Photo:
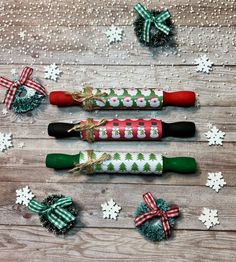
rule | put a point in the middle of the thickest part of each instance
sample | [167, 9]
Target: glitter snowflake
[5, 141]
[114, 34]
[215, 181]
[52, 72]
[215, 136]
[23, 196]
[209, 217]
[110, 209]
[203, 64]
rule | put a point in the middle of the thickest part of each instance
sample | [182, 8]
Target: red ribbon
[24, 80]
[155, 211]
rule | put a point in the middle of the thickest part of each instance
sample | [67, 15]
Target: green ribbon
[149, 19]
[53, 210]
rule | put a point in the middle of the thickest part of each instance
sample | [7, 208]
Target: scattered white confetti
[5, 141]
[114, 34]
[209, 125]
[4, 111]
[203, 64]
[215, 181]
[23, 196]
[52, 72]
[215, 136]
[110, 209]
[209, 217]
[21, 145]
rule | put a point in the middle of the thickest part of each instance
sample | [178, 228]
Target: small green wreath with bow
[153, 28]
[57, 212]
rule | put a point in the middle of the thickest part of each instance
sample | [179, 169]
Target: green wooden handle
[182, 165]
[61, 161]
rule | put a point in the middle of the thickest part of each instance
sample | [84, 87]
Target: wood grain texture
[184, 12]
[19, 163]
[90, 46]
[94, 244]
[89, 197]
[71, 33]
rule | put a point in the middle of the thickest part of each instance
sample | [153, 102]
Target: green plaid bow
[149, 18]
[52, 211]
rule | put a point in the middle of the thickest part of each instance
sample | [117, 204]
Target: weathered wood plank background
[71, 33]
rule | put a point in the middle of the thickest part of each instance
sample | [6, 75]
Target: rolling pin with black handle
[124, 130]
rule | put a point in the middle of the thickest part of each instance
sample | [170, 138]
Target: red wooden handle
[61, 98]
[180, 98]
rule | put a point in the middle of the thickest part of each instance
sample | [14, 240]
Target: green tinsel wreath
[157, 37]
[50, 200]
[152, 229]
[26, 99]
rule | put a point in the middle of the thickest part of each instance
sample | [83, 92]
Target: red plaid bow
[157, 212]
[24, 80]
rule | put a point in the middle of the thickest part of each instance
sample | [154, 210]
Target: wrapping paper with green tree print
[122, 162]
[129, 98]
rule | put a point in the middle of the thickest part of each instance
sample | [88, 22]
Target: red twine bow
[155, 211]
[24, 80]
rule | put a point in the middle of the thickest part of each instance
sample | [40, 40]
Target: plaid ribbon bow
[24, 80]
[149, 18]
[52, 211]
[157, 212]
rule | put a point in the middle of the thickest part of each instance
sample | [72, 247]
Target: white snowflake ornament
[209, 217]
[24, 195]
[5, 141]
[4, 111]
[215, 181]
[110, 209]
[215, 136]
[22, 35]
[52, 72]
[13, 71]
[114, 34]
[203, 64]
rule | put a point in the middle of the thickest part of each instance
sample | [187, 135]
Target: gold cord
[86, 97]
[88, 166]
[89, 126]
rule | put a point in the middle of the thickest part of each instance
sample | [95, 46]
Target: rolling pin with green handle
[121, 162]
[124, 130]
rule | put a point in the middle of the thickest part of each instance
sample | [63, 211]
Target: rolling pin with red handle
[121, 162]
[122, 98]
[125, 130]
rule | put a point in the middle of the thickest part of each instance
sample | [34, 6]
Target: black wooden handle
[60, 130]
[178, 129]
